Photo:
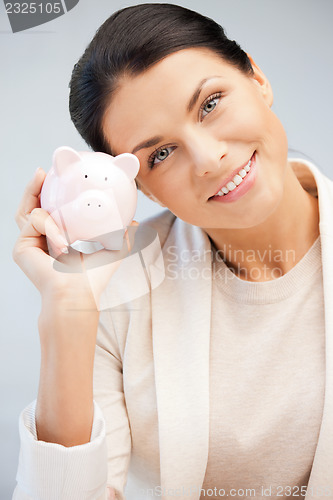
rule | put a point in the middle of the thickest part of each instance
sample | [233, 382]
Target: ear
[262, 81]
[64, 156]
[128, 163]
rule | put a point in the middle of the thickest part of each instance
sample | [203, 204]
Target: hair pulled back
[129, 42]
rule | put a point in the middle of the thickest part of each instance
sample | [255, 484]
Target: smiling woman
[216, 380]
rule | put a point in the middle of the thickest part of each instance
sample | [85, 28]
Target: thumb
[111, 495]
[130, 234]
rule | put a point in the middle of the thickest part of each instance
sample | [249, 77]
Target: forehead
[141, 104]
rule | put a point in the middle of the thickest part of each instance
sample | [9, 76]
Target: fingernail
[110, 494]
[62, 240]
[65, 250]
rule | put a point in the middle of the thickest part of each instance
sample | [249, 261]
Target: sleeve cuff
[50, 471]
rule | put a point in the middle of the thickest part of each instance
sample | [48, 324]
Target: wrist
[64, 317]
[69, 297]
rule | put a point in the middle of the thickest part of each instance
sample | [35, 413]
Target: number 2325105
[33, 8]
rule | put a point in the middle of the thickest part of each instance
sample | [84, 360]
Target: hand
[111, 494]
[56, 269]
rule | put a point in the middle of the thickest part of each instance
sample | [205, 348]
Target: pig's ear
[63, 157]
[128, 163]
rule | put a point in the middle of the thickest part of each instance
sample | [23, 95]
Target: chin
[257, 213]
[268, 204]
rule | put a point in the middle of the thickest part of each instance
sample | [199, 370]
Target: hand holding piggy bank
[91, 196]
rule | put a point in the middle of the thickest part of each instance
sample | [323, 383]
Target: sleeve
[50, 471]
[109, 395]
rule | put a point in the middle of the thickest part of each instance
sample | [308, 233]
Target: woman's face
[193, 120]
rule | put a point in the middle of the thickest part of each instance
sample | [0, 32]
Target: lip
[242, 188]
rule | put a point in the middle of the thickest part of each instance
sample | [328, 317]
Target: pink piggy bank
[91, 196]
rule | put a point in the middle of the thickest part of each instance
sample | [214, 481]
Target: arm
[64, 411]
[81, 469]
[63, 463]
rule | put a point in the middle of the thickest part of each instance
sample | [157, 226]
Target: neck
[270, 249]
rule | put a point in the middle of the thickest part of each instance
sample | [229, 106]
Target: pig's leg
[113, 240]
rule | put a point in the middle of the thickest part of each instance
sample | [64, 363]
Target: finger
[54, 250]
[111, 494]
[130, 235]
[30, 253]
[30, 198]
[31, 261]
[32, 237]
[100, 266]
[103, 257]
[41, 223]
[33, 191]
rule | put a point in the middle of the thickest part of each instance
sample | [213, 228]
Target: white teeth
[247, 168]
[231, 186]
[236, 181]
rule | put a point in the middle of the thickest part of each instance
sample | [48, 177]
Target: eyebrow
[155, 140]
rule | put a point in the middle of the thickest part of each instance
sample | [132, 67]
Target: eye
[209, 104]
[85, 176]
[106, 179]
[160, 154]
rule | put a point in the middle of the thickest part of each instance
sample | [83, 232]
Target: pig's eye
[106, 178]
[86, 176]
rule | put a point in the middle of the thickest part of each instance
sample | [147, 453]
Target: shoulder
[160, 224]
[171, 231]
[312, 178]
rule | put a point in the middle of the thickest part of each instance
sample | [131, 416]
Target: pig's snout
[93, 204]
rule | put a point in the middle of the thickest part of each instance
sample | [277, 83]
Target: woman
[213, 381]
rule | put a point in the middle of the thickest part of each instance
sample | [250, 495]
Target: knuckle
[35, 212]
[16, 253]
[36, 217]
[20, 221]
[51, 227]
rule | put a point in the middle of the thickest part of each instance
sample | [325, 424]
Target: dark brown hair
[130, 42]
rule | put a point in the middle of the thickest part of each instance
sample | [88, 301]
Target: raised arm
[68, 326]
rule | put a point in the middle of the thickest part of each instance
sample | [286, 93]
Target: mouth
[238, 183]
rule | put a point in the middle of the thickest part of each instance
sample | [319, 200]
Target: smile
[239, 184]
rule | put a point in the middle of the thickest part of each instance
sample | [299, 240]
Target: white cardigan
[151, 376]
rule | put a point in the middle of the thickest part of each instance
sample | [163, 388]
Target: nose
[206, 152]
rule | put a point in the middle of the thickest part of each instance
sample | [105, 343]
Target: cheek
[273, 134]
[168, 182]
[275, 144]
[241, 121]
[161, 187]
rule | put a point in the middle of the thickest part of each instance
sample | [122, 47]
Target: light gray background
[291, 40]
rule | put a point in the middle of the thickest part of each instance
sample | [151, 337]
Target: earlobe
[262, 81]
